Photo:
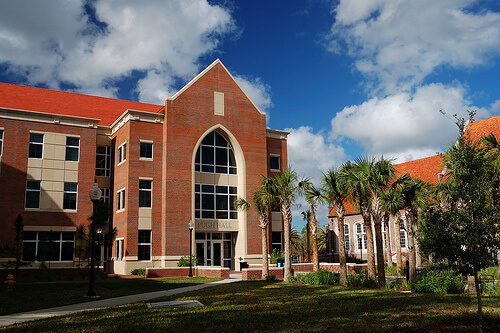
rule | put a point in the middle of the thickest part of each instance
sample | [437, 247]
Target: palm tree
[393, 202]
[336, 193]
[313, 197]
[306, 216]
[285, 190]
[359, 181]
[262, 201]
[415, 196]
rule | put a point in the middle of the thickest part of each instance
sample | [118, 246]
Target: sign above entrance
[204, 225]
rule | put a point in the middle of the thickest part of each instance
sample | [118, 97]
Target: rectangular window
[146, 150]
[215, 202]
[70, 195]
[48, 246]
[72, 148]
[122, 153]
[145, 193]
[103, 161]
[105, 194]
[33, 194]
[144, 245]
[276, 240]
[346, 238]
[119, 249]
[1, 141]
[36, 145]
[274, 162]
[120, 200]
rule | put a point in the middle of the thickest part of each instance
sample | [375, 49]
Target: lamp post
[191, 226]
[95, 196]
[330, 229]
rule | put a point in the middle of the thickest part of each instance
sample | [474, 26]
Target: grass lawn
[259, 306]
[28, 296]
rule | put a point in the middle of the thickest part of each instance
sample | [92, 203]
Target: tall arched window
[346, 238]
[403, 234]
[215, 155]
[213, 200]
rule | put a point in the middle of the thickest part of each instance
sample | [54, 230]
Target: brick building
[427, 169]
[159, 167]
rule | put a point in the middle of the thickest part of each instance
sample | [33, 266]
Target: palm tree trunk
[369, 241]
[314, 239]
[342, 254]
[265, 267]
[388, 249]
[397, 232]
[287, 225]
[308, 239]
[380, 252]
[411, 248]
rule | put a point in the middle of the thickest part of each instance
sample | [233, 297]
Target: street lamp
[95, 196]
[191, 226]
[330, 229]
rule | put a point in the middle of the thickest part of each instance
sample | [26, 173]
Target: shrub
[275, 255]
[440, 282]
[139, 272]
[392, 270]
[490, 272]
[397, 284]
[184, 261]
[491, 288]
[320, 277]
[361, 280]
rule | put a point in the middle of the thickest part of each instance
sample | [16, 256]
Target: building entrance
[214, 249]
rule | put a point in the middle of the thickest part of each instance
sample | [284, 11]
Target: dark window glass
[209, 139]
[215, 155]
[33, 194]
[72, 148]
[70, 195]
[35, 145]
[274, 162]
[146, 150]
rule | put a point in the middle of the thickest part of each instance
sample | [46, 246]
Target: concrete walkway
[15, 318]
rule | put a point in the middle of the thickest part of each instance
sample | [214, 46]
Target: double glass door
[214, 249]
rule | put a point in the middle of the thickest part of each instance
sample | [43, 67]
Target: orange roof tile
[65, 103]
[483, 127]
[426, 169]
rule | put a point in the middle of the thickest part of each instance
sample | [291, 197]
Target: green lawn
[28, 296]
[258, 306]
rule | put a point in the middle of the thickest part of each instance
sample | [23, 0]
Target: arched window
[346, 238]
[361, 236]
[215, 155]
[403, 234]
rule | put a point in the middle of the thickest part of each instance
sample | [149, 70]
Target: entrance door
[217, 254]
[214, 249]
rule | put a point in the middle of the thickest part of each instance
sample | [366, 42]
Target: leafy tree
[263, 200]
[462, 228]
[336, 193]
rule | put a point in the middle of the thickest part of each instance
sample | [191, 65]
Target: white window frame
[146, 142]
[39, 190]
[120, 202]
[122, 153]
[144, 244]
[150, 190]
[281, 240]
[347, 244]
[403, 233]
[36, 143]
[72, 147]
[361, 236]
[59, 241]
[71, 192]
[119, 244]
[279, 162]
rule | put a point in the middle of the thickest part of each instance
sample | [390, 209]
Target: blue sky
[346, 77]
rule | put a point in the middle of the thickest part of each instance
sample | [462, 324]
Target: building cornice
[276, 134]
[48, 118]
[136, 115]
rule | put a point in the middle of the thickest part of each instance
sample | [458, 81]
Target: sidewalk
[15, 318]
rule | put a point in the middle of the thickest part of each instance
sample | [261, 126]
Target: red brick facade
[175, 132]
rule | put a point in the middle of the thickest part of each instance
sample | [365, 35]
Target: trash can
[281, 262]
[243, 264]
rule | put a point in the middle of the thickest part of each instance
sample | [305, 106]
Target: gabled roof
[108, 110]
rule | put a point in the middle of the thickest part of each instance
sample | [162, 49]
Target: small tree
[463, 228]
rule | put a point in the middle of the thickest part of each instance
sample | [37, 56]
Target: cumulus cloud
[258, 91]
[397, 44]
[405, 126]
[60, 44]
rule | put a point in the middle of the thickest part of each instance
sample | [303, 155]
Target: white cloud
[405, 126]
[56, 42]
[397, 44]
[258, 91]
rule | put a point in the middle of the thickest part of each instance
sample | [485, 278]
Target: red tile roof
[65, 103]
[483, 127]
[426, 169]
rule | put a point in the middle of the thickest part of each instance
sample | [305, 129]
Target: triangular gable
[206, 70]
